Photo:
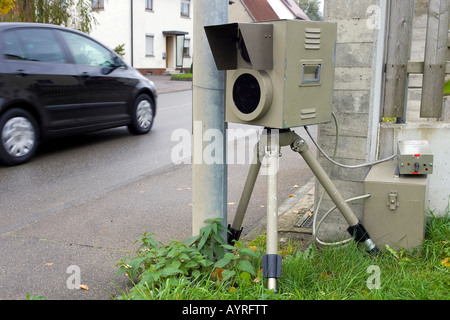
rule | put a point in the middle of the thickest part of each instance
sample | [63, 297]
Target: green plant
[210, 241]
[29, 297]
[157, 266]
[156, 262]
[330, 272]
[447, 88]
[120, 49]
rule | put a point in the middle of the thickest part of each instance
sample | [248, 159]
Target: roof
[261, 10]
[295, 9]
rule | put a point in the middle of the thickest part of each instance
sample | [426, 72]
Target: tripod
[275, 140]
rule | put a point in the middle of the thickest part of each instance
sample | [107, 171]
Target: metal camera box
[394, 214]
[280, 73]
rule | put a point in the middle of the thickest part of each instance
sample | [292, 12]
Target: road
[102, 190]
[73, 170]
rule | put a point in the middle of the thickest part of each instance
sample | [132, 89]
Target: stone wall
[353, 104]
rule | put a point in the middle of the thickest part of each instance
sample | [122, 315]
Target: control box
[414, 157]
[394, 214]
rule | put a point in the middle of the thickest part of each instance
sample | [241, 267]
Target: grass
[182, 77]
[328, 273]
[447, 88]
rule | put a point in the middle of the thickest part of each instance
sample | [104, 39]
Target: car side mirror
[115, 63]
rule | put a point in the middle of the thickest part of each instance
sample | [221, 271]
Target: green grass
[447, 88]
[328, 273]
[182, 76]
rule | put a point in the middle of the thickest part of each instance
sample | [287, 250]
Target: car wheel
[19, 136]
[142, 115]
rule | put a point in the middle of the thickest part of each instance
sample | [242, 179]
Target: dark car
[56, 81]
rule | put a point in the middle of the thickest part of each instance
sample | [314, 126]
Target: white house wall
[114, 28]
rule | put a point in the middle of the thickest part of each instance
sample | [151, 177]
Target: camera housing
[280, 74]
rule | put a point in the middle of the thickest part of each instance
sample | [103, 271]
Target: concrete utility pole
[209, 181]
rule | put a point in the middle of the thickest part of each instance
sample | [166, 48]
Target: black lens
[246, 93]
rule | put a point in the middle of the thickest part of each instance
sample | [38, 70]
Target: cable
[326, 215]
[316, 210]
[340, 164]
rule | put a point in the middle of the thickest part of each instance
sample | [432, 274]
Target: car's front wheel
[142, 115]
[19, 136]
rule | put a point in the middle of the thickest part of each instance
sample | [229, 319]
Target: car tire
[142, 115]
[19, 136]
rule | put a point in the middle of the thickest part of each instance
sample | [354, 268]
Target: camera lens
[246, 93]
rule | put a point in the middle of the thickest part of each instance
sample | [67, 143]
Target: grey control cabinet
[394, 214]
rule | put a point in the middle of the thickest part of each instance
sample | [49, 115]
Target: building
[158, 34]
[261, 10]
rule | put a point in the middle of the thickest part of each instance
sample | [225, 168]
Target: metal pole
[131, 33]
[209, 181]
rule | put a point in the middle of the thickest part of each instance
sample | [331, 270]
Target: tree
[311, 8]
[76, 14]
[6, 6]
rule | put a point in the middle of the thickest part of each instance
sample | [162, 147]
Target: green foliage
[182, 76]
[447, 88]
[198, 269]
[76, 14]
[157, 266]
[311, 9]
[30, 297]
[120, 49]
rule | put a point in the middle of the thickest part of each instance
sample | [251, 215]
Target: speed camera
[280, 73]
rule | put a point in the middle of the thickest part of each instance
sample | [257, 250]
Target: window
[98, 4]
[33, 45]
[148, 4]
[186, 48]
[149, 45]
[86, 51]
[185, 7]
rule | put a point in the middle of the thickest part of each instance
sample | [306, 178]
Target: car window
[87, 52]
[13, 50]
[33, 45]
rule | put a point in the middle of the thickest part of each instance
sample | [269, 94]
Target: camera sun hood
[254, 39]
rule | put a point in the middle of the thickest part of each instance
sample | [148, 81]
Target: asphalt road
[83, 201]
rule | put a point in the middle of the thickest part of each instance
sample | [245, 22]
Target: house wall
[238, 13]
[114, 28]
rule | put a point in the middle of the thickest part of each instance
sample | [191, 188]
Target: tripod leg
[272, 261]
[236, 227]
[285, 138]
[356, 229]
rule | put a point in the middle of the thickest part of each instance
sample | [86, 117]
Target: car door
[106, 86]
[38, 70]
